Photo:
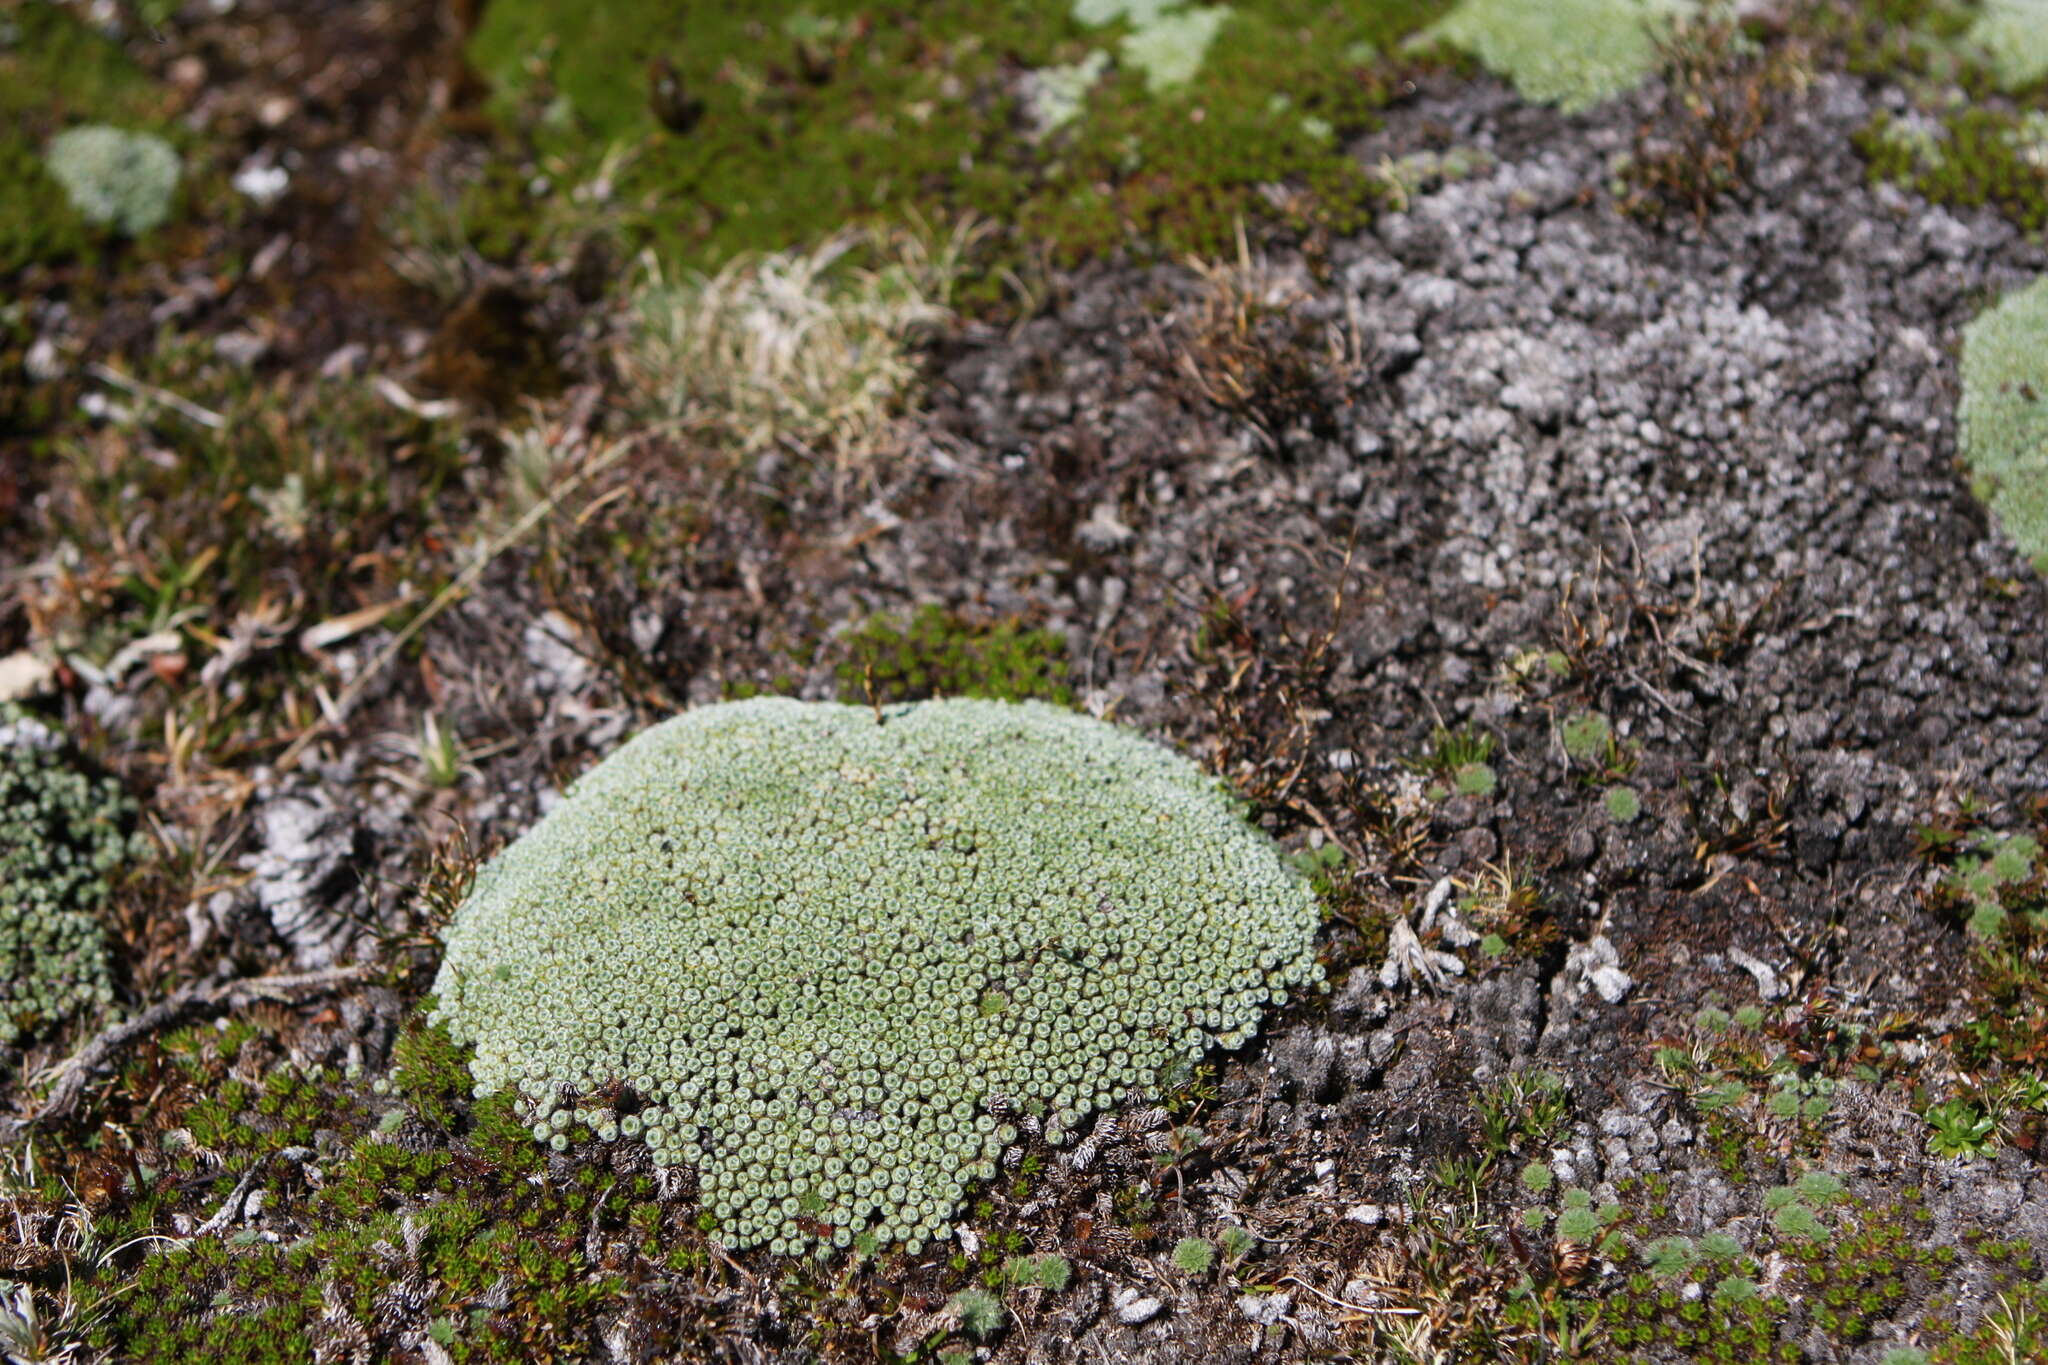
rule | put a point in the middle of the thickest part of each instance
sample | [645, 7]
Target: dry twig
[72, 1074]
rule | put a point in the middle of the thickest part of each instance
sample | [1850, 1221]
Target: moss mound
[2003, 420]
[823, 956]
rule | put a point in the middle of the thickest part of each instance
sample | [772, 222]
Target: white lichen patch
[828, 953]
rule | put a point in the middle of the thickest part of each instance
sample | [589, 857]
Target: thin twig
[229, 1210]
[444, 599]
[72, 1074]
[1353, 1307]
[184, 407]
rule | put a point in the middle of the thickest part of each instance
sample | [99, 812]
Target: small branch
[446, 598]
[184, 407]
[72, 1074]
[1368, 1311]
[230, 1210]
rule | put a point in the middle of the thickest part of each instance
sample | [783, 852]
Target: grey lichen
[830, 951]
[61, 839]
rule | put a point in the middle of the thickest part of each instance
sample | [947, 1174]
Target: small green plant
[1961, 1129]
[938, 654]
[1475, 779]
[1587, 737]
[440, 753]
[1236, 1243]
[1537, 1177]
[1623, 805]
[1521, 1111]
[1450, 750]
[1194, 1255]
[62, 846]
[1459, 758]
[980, 1313]
[1042, 1271]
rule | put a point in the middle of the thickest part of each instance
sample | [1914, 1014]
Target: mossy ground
[419, 1214]
[55, 71]
[810, 117]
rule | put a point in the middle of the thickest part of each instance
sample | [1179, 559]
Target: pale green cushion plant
[2002, 421]
[62, 841]
[115, 178]
[1571, 53]
[832, 951]
[2013, 37]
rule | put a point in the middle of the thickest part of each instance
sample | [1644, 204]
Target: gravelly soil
[1711, 464]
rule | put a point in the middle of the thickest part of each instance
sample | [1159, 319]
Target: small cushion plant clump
[116, 178]
[60, 839]
[824, 953]
[2002, 420]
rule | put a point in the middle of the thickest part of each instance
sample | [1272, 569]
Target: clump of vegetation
[1571, 53]
[805, 350]
[1044, 1270]
[63, 841]
[849, 937]
[671, 114]
[1506, 905]
[1521, 1112]
[55, 74]
[2014, 40]
[419, 1211]
[1459, 759]
[939, 654]
[1995, 882]
[1720, 90]
[2002, 419]
[1194, 1255]
[116, 178]
[980, 1313]
[1975, 156]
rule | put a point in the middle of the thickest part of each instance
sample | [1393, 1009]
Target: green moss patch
[56, 73]
[936, 653]
[719, 131]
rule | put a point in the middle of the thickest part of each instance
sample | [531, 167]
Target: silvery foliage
[828, 950]
[116, 178]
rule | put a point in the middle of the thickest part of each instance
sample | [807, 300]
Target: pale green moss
[1169, 50]
[1571, 53]
[2002, 420]
[116, 178]
[2013, 36]
[1058, 93]
[829, 951]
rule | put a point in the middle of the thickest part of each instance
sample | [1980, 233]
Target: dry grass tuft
[812, 351]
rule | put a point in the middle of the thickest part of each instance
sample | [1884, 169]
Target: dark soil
[1511, 457]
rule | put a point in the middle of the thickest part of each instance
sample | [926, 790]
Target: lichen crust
[823, 954]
